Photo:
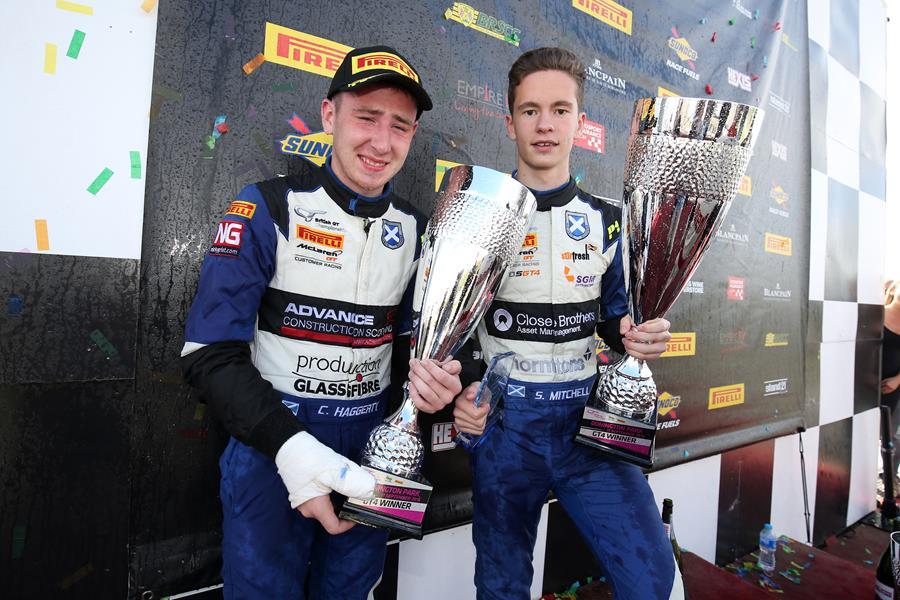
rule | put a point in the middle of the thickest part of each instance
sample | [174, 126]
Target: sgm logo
[681, 344]
[228, 239]
[579, 280]
[330, 314]
[776, 387]
[442, 436]
[739, 80]
[726, 395]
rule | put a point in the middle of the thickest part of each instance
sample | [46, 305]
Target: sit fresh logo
[314, 147]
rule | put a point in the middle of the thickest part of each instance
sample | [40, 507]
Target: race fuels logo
[681, 344]
[613, 14]
[685, 53]
[726, 395]
[303, 51]
[383, 61]
[483, 23]
[314, 147]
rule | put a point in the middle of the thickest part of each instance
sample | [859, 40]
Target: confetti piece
[210, 142]
[148, 5]
[222, 128]
[104, 344]
[777, 26]
[753, 41]
[40, 231]
[50, 59]
[298, 124]
[754, 77]
[283, 87]
[18, 541]
[756, 15]
[869, 552]
[708, 89]
[686, 453]
[199, 411]
[713, 38]
[787, 549]
[76, 576]
[790, 577]
[731, 21]
[766, 61]
[74, 7]
[868, 562]
[254, 63]
[75, 44]
[100, 181]
[14, 305]
[135, 164]
[703, 21]
[167, 93]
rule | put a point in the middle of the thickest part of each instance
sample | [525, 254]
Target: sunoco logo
[726, 395]
[776, 387]
[314, 147]
[681, 344]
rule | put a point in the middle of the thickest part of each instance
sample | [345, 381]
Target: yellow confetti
[40, 231]
[74, 7]
[148, 5]
[50, 59]
[254, 63]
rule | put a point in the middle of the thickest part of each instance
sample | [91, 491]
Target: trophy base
[399, 504]
[628, 439]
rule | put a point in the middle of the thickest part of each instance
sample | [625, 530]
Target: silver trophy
[685, 161]
[478, 225]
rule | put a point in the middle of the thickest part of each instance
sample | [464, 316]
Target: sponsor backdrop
[777, 330]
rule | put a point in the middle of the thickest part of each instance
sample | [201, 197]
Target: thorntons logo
[777, 293]
[596, 74]
[776, 387]
[779, 103]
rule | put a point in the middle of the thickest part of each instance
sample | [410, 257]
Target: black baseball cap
[379, 64]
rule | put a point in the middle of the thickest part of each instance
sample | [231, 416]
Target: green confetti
[731, 21]
[135, 164]
[283, 87]
[753, 42]
[18, 541]
[199, 411]
[104, 344]
[100, 181]
[75, 44]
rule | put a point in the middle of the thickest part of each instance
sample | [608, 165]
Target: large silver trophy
[685, 160]
[477, 227]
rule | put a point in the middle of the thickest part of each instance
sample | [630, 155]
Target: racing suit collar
[351, 202]
[558, 196]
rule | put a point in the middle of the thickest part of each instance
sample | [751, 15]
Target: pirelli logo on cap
[241, 209]
[320, 238]
[383, 60]
[778, 244]
[681, 344]
[303, 51]
[614, 15]
[726, 395]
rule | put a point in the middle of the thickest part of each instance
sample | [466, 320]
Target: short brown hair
[546, 59]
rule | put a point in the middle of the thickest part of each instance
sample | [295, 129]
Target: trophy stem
[407, 416]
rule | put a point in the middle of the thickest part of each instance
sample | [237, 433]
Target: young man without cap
[568, 274]
[303, 297]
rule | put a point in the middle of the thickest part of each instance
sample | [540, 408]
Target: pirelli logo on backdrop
[383, 60]
[303, 51]
[440, 167]
[661, 91]
[778, 244]
[681, 344]
[726, 395]
[531, 240]
[614, 15]
[320, 238]
[746, 187]
[241, 209]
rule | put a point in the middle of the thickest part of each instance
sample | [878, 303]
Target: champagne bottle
[670, 534]
[884, 576]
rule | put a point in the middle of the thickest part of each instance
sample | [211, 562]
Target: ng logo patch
[228, 240]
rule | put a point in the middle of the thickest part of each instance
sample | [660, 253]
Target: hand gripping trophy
[685, 160]
[477, 227]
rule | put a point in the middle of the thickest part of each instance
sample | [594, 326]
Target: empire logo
[303, 51]
[614, 15]
[726, 395]
[681, 344]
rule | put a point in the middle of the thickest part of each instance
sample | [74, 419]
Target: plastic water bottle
[767, 546]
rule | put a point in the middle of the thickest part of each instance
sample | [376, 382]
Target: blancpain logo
[776, 387]
[596, 74]
[777, 293]
[304, 310]
[733, 235]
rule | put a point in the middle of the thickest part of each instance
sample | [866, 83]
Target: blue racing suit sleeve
[613, 301]
[216, 359]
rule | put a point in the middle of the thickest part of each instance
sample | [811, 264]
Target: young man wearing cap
[569, 273]
[302, 298]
